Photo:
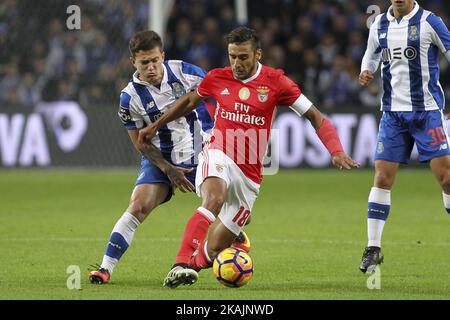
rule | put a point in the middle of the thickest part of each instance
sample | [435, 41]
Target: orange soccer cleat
[99, 276]
[242, 242]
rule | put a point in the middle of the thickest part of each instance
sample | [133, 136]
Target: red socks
[201, 259]
[194, 233]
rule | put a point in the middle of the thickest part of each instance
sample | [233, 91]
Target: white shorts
[242, 191]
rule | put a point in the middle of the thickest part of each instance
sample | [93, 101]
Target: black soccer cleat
[371, 257]
[180, 274]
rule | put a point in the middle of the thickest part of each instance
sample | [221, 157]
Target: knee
[140, 209]
[214, 202]
[384, 180]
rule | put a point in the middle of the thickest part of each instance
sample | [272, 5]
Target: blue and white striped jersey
[408, 49]
[142, 103]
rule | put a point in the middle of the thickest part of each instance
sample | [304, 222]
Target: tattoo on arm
[154, 155]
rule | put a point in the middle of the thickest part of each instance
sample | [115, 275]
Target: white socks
[120, 240]
[446, 199]
[378, 211]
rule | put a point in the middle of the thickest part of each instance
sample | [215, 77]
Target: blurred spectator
[320, 45]
[371, 95]
[335, 84]
[199, 49]
[275, 57]
[10, 80]
[12, 98]
[310, 74]
[4, 45]
[328, 49]
[29, 91]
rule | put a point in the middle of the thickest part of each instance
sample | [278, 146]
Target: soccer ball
[233, 267]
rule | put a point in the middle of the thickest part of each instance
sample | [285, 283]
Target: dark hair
[243, 34]
[144, 40]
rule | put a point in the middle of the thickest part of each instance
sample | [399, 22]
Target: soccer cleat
[99, 276]
[372, 257]
[180, 275]
[242, 242]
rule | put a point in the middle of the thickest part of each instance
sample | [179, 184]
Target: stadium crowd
[320, 44]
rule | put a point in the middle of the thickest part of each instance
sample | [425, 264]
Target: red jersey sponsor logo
[241, 114]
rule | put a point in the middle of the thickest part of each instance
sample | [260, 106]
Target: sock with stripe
[378, 212]
[120, 240]
[194, 233]
[201, 260]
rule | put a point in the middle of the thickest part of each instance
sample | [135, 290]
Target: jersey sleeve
[371, 59]
[127, 115]
[205, 87]
[440, 35]
[193, 74]
[288, 91]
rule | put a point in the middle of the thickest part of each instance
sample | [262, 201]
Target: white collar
[407, 17]
[253, 77]
[145, 83]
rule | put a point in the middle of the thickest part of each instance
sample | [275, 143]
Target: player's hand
[343, 161]
[365, 77]
[146, 134]
[177, 176]
[447, 116]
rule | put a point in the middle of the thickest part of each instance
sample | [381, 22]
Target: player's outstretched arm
[329, 137]
[174, 173]
[181, 107]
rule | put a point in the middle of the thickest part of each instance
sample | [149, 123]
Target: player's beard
[243, 73]
[240, 74]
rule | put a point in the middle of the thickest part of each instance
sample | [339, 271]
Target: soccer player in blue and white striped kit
[170, 160]
[407, 40]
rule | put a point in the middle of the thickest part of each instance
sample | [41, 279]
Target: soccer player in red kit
[230, 166]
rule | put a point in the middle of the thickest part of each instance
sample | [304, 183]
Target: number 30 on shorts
[438, 135]
[241, 216]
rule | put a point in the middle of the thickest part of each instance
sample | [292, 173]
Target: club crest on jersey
[150, 105]
[244, 93]
[263, 93]
[219, 167]
[177, 90]
[413, 33]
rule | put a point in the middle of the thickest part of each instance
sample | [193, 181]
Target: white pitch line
[268, 240]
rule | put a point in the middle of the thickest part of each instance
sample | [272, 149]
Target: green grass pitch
[308, 233]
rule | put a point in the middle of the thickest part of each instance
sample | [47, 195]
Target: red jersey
[244, 113]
